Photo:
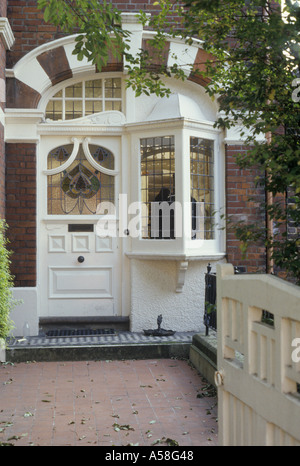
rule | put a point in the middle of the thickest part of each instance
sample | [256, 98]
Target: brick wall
[21, 211]
[240, 186]
[29, 29]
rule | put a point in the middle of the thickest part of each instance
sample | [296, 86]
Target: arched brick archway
[53, 62]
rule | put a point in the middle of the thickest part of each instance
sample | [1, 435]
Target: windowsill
[182, 261]
[75, 218]
[174, 256]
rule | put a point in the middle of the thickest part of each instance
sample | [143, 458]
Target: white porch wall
[25, 312]
[153, 292]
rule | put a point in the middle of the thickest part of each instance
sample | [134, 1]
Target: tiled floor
[106, 403]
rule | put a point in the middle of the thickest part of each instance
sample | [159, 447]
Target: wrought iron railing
[210, 306]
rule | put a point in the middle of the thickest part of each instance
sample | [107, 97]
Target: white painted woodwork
[258, 364]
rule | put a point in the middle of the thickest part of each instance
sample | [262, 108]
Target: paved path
[106, 403]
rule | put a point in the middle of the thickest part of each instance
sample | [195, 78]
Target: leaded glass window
[85, 98]
[158, 186]
[202, 187]
[79, 188]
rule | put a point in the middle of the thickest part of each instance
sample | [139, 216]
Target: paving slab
[154, 402]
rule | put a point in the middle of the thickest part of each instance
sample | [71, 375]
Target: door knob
[80, 259]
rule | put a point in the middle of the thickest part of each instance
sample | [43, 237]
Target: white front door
[79, 272]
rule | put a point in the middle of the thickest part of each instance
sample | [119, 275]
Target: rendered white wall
[26, 311]
[153, 292]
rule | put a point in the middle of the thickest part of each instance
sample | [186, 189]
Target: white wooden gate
[258, 374]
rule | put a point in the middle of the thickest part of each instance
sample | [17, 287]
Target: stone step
[122, 345]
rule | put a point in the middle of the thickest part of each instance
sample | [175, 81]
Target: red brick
[21, 211]
[240, 185]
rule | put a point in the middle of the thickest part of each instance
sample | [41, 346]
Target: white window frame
[216, 245]
[49, 96]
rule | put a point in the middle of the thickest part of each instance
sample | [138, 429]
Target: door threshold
[47, 324]
[82, 332]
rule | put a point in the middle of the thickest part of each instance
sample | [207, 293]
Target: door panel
[80, 274]
[90, 282]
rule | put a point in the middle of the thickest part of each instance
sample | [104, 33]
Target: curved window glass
[202, 188]
[86, 98]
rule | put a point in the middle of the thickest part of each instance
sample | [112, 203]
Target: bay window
[157, 175]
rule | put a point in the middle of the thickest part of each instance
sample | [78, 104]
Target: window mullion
[103, 94]
[83, 98]
[63, 104]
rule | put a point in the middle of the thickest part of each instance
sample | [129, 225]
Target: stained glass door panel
[79, 188]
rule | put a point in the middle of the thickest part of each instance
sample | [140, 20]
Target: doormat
[80, 332]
